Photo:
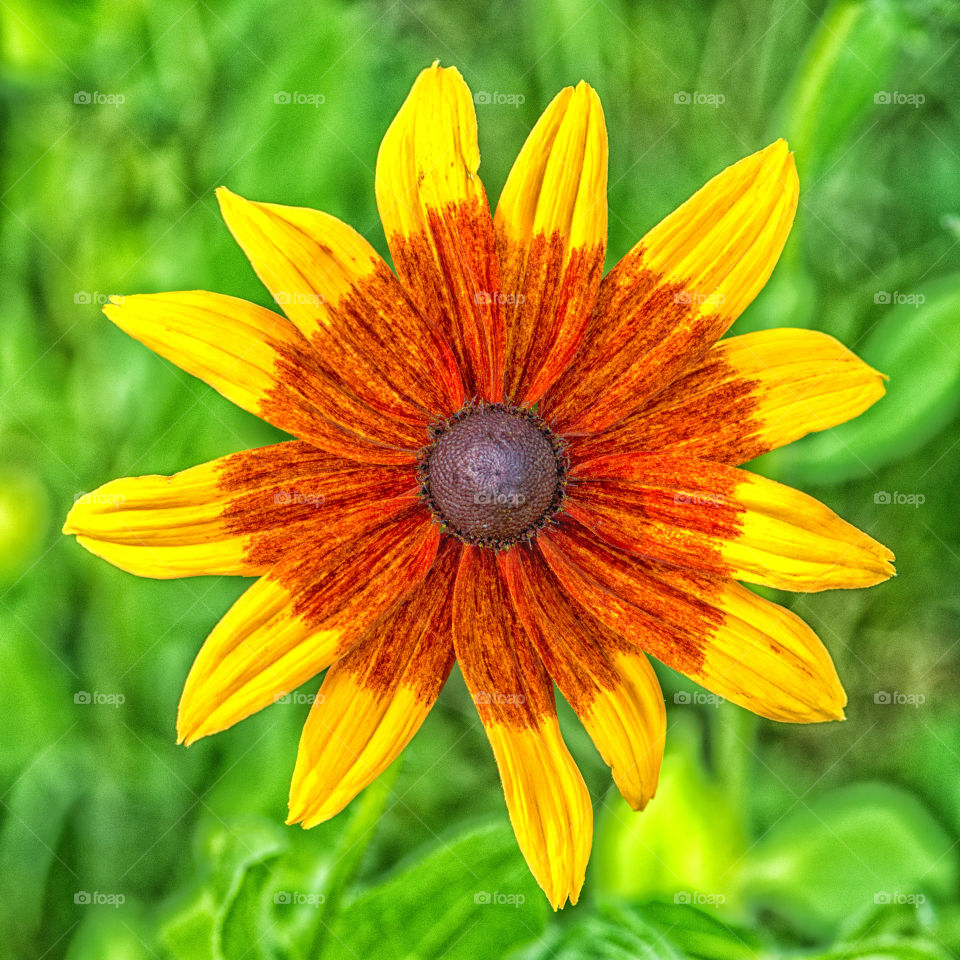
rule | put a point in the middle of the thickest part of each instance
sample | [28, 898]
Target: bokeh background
[119, 119]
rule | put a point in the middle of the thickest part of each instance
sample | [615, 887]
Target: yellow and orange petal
[608, 681]
[438, 225]
[375, 698]
[551, 224]
[722, 521]
[680, 288]
[366, 333]
[749, 395]
[731, 641]
[260, 361]
[547, 800]
[237, 515]
[312, 608]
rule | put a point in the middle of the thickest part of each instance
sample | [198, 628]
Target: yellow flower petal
[608, 682]
[733, 642]
[237, 515]
[551, 235]
[679, 290]
[547, 800]
[628, 723]
[308, 260]
[722, 521]
[229, 343]
[723, 243]
[750, 394]
[789, 540]
[438, 224]
[765, 658]
[262, 363]
[163, 527]
[368, 337]
[314, 606]
[548, 803]
[800, 381]
[258, 652]
[374, 700]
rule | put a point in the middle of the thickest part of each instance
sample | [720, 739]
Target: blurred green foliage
[119, 120]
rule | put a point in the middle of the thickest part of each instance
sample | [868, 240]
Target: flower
[503, 459]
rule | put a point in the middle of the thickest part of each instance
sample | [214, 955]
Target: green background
[764, 840]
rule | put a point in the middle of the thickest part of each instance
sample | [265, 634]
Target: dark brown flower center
[494, 474]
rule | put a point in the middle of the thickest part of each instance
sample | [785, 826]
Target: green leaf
[472, 898]
[230, 910]
[887, 948]
[615, 932]
[187, 934]
[699, 934]
[365, 815]
[655, 930]
[244, 927]
[36, 812]
[846, 65]
[849, 851]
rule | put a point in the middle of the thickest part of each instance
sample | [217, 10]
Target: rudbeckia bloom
[503, 459]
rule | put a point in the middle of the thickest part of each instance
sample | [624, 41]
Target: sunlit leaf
[848, 851]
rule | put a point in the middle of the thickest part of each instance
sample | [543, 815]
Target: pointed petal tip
[228, 200]
[192, 726]
[188, 734]
[565, 896]
[299, 814]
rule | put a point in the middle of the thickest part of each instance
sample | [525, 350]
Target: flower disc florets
[494, 474]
